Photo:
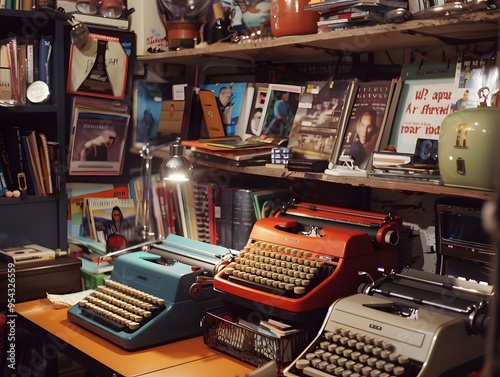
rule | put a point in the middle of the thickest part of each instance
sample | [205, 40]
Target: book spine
[226, 218]
[44, 58]
[29, 63]
[243, 217]
[31, 177]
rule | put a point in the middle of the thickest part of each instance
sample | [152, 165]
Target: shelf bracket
[448, 40]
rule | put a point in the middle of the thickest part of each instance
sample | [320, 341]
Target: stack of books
[231, 151]
[346, 14]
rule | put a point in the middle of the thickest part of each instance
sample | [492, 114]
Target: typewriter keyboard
[347, 353]
[121, 307]
[277, 269]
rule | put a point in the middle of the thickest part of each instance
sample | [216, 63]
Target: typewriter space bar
[259, 287]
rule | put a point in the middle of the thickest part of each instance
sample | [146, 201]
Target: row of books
[29, 163]
[200, 209]
[22, 63]
[18, 4]
[345, 121]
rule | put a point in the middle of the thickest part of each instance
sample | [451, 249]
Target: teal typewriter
[154, 297]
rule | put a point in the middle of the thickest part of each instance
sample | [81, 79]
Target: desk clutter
[308, 291]
[316, 290]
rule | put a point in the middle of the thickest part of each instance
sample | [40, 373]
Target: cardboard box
[171, 117]
[147, 24]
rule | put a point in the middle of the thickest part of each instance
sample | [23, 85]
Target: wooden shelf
[463, 28]
[458, 29]
[380, 183]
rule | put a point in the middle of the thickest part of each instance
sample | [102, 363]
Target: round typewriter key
[322, 365]
[324, 344]
[366, 370]
[398, 371]
[363, 358]
[318, 352]
[349, 364]
[389, 367]
[299, 290]
[326, 355]
[355, 355]
[402, 360]
[338, 371]
[380, 364]
[301, 364]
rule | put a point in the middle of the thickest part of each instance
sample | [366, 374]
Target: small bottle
[220, 30]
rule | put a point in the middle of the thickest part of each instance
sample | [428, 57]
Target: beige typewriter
[409, 324]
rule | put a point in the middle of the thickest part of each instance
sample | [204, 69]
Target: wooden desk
[190, 357]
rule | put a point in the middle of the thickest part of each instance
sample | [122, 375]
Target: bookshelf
[38, 219]
[468, 27]
[459, 29]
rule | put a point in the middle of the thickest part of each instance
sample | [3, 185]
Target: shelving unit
[462, 28]
[397, 185]
[38, 219]
[458, 29]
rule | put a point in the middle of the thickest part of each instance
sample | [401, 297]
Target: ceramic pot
[288, 17]
[468, 140]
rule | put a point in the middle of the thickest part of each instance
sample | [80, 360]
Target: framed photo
[279, 110]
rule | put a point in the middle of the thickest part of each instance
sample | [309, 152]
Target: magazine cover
[230, 99]
[361, 136]
[98, 143]
[112, 216]
[478, 73]
[427, 97]
[100, 69]
[279, 110]
[316, 122]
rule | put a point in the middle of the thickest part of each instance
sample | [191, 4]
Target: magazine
[478, 73]
[112, 216]
[230, 99]
[88, 76]
[98, 142]
[320, 111]
[361, 135]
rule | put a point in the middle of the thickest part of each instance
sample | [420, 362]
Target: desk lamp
[175, 168]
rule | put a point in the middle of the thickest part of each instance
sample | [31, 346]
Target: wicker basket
[248, 345]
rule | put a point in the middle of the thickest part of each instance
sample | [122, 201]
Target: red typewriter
[307, 256]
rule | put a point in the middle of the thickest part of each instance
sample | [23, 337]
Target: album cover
[100, 69]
